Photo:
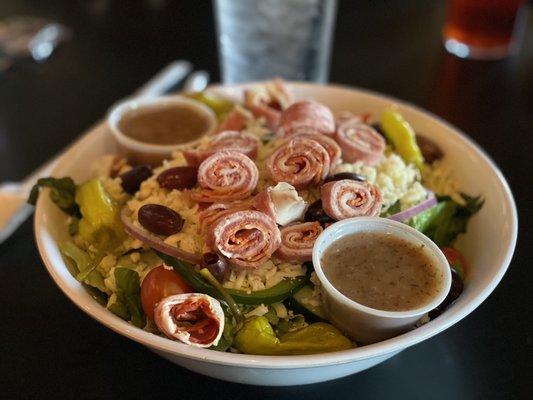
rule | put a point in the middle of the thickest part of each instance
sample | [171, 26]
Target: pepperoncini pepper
[401, 134]
[258, 337]
[100, 223]
[220, 105]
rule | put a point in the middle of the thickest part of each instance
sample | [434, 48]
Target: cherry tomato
[456, 260]
[158, 284]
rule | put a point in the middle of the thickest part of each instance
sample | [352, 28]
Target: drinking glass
[484, 29]
[261, 39]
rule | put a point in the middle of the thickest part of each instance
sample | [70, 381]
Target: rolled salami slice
[225, 176]
[329, 144]
[300, 162]
[268, 101]
[246, 238]
[243, 142]
[306, 117]
[208, 216]
[348, 198]
[195, 319]
[360, 142]
[297, 242]
[344, 116]
[235, 121]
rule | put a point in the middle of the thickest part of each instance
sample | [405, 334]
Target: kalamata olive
[309, 266]
[430, 150]
[132, 179]
[160, 220]
[344, 175]
[378, 129]
[455, 291]
[315, 212]
[216, 265]
[178, 178]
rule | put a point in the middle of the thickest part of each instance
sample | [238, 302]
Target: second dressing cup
[365, 324]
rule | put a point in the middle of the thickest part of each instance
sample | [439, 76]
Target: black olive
[378, 129]
[456, 289]
[315, 212]
[216, 264]
[345, 175]
[309, 266]
[430, 150]
[132, 179]
[160, 220]
[178, 178]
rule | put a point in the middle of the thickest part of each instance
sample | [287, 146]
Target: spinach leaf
[129, 294]
[118, 308]
[62, 193]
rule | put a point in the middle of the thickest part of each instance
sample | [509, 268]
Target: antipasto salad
[212, 248]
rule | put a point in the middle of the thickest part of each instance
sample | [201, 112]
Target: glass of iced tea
[484, 29]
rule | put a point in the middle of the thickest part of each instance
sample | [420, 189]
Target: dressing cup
[141, 152]
[365, 324]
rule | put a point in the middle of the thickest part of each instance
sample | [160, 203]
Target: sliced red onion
[430, 201]
[155, 242]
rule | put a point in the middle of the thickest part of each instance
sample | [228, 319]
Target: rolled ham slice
[208, 216]
[235, 121]
[348, 198]
[306, 117]
[329, 144]
[268, 101]
[360, 142]
[300, 162]
[243, 142]
[225, 176]
[344, 116]
[246, 238]
[297, 242]
[195, 319]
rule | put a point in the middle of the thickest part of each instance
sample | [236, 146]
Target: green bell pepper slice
[276, 293]
[258, 337]
[402, 136]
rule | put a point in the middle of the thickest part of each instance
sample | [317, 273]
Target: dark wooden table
[50, 349]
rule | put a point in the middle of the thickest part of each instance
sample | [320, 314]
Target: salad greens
[62, 193]
[129, 296]
[445, 221]
[84, 265]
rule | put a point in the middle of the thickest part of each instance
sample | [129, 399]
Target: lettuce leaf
[129, 295]
[446, 220]
[83, 267]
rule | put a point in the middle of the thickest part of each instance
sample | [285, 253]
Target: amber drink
[484, 29]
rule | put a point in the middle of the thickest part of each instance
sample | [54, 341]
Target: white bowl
[488, 245]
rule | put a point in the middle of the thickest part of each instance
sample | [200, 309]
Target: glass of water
[261, 39]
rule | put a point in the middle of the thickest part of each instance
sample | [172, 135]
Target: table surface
[51, 349]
